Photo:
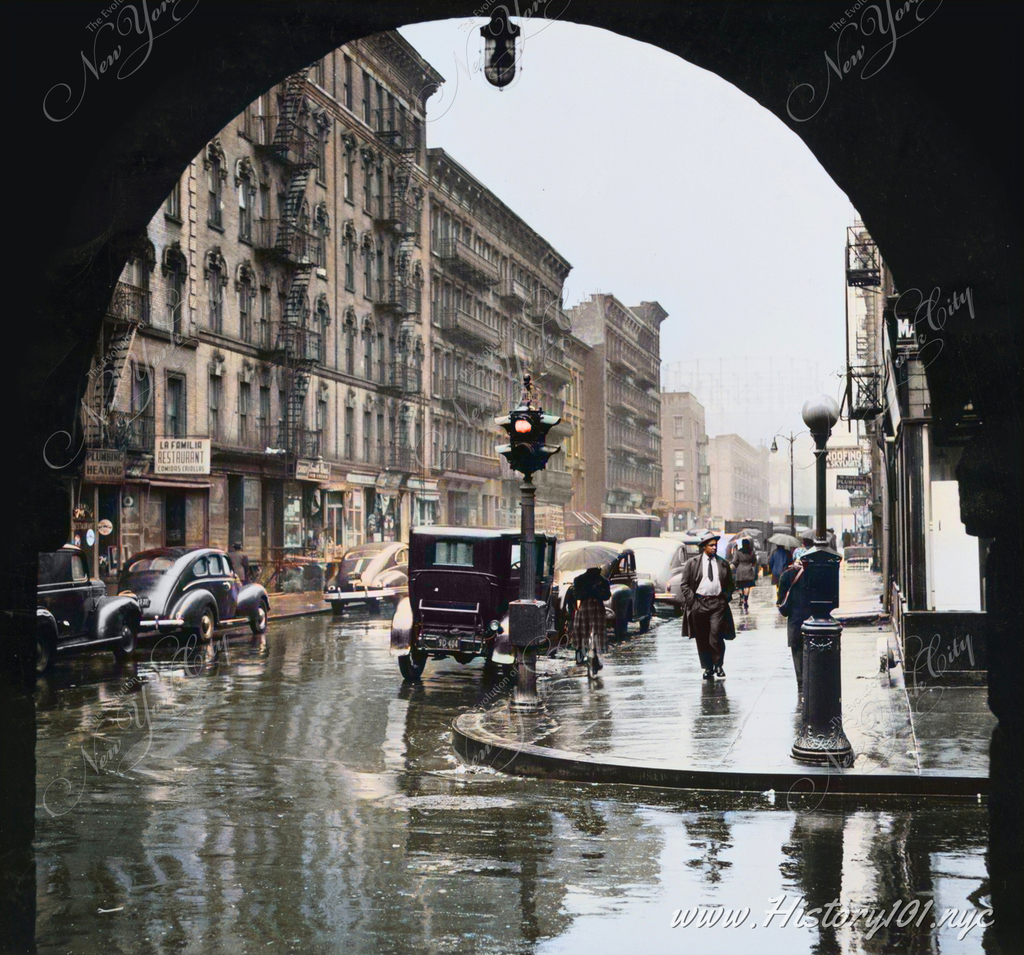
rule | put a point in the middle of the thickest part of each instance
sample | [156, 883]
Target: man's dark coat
[692, 573]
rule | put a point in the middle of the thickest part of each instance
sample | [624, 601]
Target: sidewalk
[650, 719]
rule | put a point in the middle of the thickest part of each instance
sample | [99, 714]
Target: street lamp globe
[500, 48]
[775, 447]
[820, 414]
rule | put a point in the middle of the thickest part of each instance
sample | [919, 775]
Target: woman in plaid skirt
[591, 590]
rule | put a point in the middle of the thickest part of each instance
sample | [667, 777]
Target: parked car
[75, 612]
[192, 591]
[460, 583]
[632, 597]
[381, 567]
[657, 559]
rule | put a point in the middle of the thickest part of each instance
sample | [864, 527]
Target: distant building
[684, 465]
[622, 407]
[739, 479]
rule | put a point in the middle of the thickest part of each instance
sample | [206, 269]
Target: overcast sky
[661, 181]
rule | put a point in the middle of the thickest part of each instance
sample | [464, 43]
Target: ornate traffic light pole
[527, 428]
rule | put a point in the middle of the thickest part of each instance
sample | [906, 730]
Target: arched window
[323, 321]
[350, 342]
[321, 229]
[215, 273]
[245, 181]
[216, 174]
[175, 270]
[246, 288]
[367, 351]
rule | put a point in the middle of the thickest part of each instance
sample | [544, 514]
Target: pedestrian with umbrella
[591, 589]
[781, 556]
[744, 563]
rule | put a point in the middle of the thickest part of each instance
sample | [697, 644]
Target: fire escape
[104, 427]
[863, 398]
[399, 214]
[292, 344]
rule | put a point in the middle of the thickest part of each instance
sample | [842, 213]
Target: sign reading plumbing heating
[182, 456]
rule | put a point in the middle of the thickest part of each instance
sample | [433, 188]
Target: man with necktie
[706, 589]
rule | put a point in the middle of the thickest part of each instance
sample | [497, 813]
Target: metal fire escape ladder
[294, 146]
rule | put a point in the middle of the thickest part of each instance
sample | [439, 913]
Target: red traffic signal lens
[523, 426]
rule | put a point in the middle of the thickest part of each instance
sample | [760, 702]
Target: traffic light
[527, 429]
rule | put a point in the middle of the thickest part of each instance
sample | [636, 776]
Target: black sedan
[75, 612]
[192, 592]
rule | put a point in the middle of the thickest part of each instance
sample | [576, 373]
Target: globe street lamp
[821, 739]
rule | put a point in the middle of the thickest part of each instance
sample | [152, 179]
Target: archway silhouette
[918, 147]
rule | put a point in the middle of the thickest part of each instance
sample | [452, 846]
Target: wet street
[294, 795]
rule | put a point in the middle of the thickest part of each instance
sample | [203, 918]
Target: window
[350, 429]
[367, 272]
[452, 553]
[214, 405]
[172, 208]
[263, 332]
[367, 186]
[216, 290]
[142, 431]
[350, 263]
[282, 401]
[320, 74]
[367, 354]
[246, 297]
[264, 436]
[174, 407]
[367, 428]
[321, 154]
[346, 96]
[350, 348]
[321, 415]
[246, 201]
[176, 270]
[677, 426]
[380, 357]
[244, 400]
[366, 97]
[349, 174]
[214, 178]
[381, 436]
[680, 459]
[321, 229]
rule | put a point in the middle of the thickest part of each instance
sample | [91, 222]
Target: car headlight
[494, 626]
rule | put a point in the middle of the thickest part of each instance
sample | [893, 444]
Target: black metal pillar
[525, 695]
[822, 738]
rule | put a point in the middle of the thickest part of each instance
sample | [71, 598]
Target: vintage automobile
[632, 598]
[368, 574]
[657, 559]
[460, 583]
[74, 611]
[192, 591]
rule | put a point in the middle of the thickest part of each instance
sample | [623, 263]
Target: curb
[476, 745]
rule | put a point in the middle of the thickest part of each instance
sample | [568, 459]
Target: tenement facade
[260, 375]
[739, 480]
[684, 461]
[621, 404]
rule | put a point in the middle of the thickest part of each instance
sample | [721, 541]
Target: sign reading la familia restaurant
[182, 456]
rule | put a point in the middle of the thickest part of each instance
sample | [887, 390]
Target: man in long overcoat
[795, 606]
[706, 589]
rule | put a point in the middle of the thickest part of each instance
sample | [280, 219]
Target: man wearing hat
[706, 588]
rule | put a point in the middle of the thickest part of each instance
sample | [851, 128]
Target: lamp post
[775, 447]
[499, 48]
[527, 427]
[822, 739]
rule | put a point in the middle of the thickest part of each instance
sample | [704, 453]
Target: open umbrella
[784, 540]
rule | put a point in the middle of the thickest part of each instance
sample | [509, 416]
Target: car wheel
[125, 645]
[622, 624]
[204, 629]
[258, 619]
[645, 624]
[412, 665]
[45, 651]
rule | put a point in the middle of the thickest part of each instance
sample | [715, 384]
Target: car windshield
[150, 565]
[580, 558]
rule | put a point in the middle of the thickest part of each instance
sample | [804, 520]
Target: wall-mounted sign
[105, 528]
[182, 456]
[843, 458]
[853, 482]
[90, 537]
[103, 466]
[309, 469]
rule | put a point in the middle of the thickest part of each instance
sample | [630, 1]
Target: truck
[617, 528]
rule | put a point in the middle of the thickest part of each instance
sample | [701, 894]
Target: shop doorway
[174, 518]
